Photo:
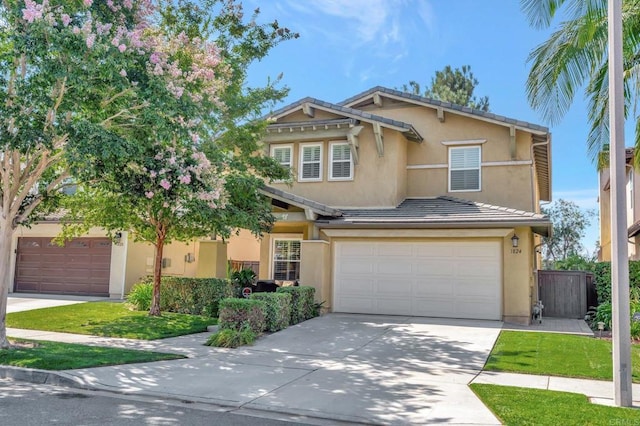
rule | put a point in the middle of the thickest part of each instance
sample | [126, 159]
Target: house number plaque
[516, 251]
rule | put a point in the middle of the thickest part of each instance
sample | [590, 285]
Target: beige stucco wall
[377, 181]
[315, 269]
[211, 259]
[386, 181]
[518, 284]
[244, 246]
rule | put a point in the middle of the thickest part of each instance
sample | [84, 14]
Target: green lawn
[556, 355]
[519, 406]
[66, 356]
[108, 319]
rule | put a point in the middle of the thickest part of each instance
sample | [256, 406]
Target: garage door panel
[81, 266]
[394, 266]
[394, 250]
[441, 279]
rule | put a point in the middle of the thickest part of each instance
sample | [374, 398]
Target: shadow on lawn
[147, 327]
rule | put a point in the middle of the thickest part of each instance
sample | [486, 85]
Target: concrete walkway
[342, 368]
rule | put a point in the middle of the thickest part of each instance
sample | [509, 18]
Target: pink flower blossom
[185, 179]
[165, 184]
[32, 11]
[123, 73]
[91, 39]
[122, 48]
[149, 194]
[154, 58]
[66, 19]
[88, 3]
[153, 174]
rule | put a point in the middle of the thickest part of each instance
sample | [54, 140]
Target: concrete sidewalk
[598, 391]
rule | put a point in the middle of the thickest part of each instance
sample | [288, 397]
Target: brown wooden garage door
[81, 266]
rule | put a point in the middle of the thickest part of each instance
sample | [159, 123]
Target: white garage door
[435, 279]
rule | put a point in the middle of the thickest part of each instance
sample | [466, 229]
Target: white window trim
[272, 251]
[331, 178]
[301, 162]
[272, 149]
[451, 149]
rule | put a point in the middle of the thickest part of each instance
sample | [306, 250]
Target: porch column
[212, 259]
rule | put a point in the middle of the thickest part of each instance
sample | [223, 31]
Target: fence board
[564, 294]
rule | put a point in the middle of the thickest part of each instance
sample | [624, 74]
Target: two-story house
[404, 205]
[632, 178]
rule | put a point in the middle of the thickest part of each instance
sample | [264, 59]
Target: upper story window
[283, 155]
[464, 168]
[341, 163]
[310, 162]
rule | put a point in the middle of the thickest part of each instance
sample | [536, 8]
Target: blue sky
[348, 46]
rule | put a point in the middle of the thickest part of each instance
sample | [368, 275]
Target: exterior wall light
[117, 238]
[514, 240]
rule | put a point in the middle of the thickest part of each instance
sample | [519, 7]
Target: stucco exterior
[402, 150]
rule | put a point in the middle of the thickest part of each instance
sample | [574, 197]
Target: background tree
[564, 246]
[452, 85]
[61, 84]
[575, 57]
[162, 187]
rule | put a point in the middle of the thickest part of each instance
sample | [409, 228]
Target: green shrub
[194, 296]
[228, 338]
[302, 302]
[236, 314]
[140, 296]
[277, 309]
[602, 277]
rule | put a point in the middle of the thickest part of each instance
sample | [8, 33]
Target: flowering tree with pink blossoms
[158, 183]
[96, 90]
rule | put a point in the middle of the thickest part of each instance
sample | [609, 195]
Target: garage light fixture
[117, 238]
[515, 240]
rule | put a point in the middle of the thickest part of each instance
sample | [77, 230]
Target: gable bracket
[377, 100]
[440, 114]
[512, 142]
[308, 110]
[378, 133]
[352, 138]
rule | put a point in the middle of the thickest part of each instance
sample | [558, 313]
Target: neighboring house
[403, 205]
[97, 266]
[632, 178]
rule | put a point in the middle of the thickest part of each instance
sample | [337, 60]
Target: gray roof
[410, 132]
[445, 105]
[443, 212]
[298, 201]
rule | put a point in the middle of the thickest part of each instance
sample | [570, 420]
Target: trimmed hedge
[602, 277]
[302, 302]
[194, 296]
[277, 309]
[238, 314]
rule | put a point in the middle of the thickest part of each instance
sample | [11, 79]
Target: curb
[41, 377]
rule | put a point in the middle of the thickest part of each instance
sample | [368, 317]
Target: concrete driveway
[18, 302]
[371, 369]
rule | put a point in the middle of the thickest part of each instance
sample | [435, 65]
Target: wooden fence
[566, 294]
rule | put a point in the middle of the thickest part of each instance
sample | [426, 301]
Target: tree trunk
[6, 232]
[157, 273]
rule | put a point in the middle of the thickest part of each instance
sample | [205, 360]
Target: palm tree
[575, 56]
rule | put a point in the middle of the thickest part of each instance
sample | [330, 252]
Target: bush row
[267, 311]
[194, 296]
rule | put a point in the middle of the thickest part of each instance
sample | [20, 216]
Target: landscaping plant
[140, 296]
[236, 314]
[302, 302]
[277, 308]
[230, 338]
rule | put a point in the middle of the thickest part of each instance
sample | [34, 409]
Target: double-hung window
[464, 168]
[310, 162]
[341, 163]
[286, 259]
[283, 155]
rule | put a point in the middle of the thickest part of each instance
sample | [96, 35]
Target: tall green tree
[452, 85]
[163, 187]
[569, 224]
[575, 59]
[61, 84]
